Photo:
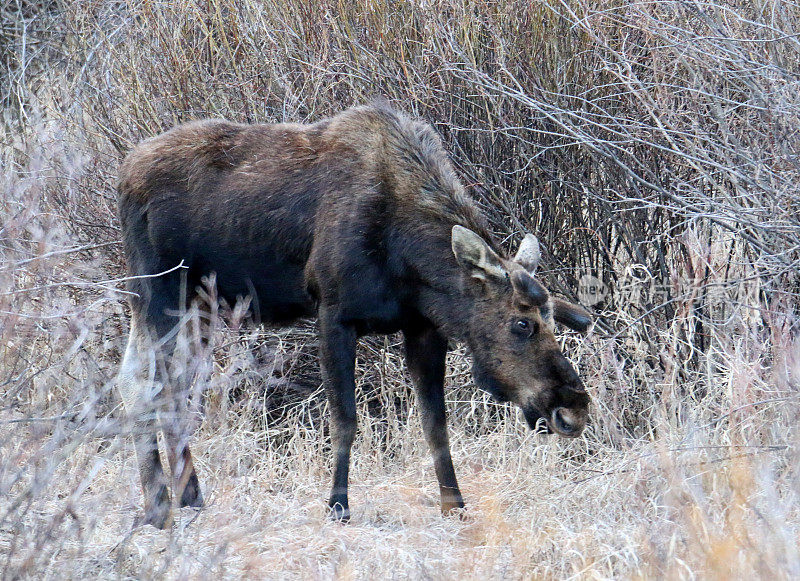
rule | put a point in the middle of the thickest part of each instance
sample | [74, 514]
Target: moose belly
[247, 257]
[276, 289]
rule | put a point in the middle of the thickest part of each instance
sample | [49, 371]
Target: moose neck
[442, 297]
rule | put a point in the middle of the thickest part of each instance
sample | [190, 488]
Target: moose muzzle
[568, 422]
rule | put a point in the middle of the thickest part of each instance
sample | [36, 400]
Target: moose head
[511, 334]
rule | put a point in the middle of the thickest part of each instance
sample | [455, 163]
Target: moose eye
[524, 327]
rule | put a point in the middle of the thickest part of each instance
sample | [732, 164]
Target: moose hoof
[339, 513]
[159, 517]
[454, 509]
[191, 494]
[158, 513]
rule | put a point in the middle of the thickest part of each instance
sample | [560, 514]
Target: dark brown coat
[360, 220]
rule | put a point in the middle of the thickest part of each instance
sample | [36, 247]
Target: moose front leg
[426, 351]
[337, 362]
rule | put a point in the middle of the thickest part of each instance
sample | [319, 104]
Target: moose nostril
[561, 421]
[565, 422]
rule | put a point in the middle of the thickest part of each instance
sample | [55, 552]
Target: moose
[360, 220]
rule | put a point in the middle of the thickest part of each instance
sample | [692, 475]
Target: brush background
[654, 145]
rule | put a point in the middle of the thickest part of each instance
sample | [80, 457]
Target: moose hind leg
[135, 388]
[337, 360]
[180, 412]
[426, 351]
[185, 483]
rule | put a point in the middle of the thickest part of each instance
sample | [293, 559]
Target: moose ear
[529, 254]
[473, 253]
[573, 316]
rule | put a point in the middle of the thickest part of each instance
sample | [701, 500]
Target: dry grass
[654, 145]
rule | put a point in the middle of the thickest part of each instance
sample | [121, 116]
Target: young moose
[360, 220]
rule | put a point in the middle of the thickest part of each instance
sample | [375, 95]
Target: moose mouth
[561, 421]
[536, 421]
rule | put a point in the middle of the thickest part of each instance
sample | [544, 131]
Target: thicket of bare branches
[654, 145]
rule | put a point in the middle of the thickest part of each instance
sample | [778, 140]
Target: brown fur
[354, 219]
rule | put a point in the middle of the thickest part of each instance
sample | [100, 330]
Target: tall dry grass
[653, 145]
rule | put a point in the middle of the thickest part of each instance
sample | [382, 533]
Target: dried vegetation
[653, 145]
